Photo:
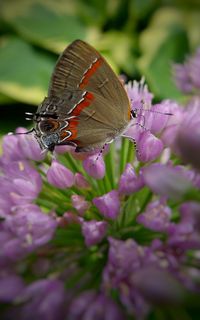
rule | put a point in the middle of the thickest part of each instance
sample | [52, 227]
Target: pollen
[21, 166]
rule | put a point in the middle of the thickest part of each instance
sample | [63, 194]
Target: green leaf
[164, 42]
[24, 72]
[191, 22]
[5, 99]
[118, 46]
[93, 12]
[46, 27]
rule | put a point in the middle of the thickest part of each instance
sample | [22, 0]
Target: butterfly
[86, 106]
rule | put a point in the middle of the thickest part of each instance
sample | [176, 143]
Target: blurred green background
[137, 37]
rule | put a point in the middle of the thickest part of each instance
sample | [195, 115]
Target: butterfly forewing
[70, 67]
[86, 104]
[81, 67]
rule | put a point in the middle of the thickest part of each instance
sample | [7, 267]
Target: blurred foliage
[138, 38]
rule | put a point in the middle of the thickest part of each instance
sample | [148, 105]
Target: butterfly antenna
[154, 111]
[135, 111]
[159, 112]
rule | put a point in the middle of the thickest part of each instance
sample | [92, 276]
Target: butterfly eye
[134, 113]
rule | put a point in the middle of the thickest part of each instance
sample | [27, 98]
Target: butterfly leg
[101, 151]
[134, 143]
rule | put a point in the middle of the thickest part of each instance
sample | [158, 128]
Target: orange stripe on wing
[83, 104]
[73, 128]
[92, 69]
[129, 112]
[73, 123]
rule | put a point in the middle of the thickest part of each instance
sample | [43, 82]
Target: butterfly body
[86, 106]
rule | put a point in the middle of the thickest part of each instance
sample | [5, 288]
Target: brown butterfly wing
[80, 72]
[70, 67]
[81, 67]
[94, 128]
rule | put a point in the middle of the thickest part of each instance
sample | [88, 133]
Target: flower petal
[108, 204]
[60, 176]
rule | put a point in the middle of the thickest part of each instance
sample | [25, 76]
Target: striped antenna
[134, 112]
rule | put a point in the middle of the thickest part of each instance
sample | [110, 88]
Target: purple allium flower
[11, 285]
[169, 132]
[169, 257]
[187, 75]
[21, 147]
[138, 92]
[165, 180]
[4, 203]
[93, 231]
[63, 149]
[194, 64]
[157, 117]
[20, 183]
[149, 147]
[186, 234]
[30, 225]
[129, 182]
[11, 149]
[42, 300]
[80, 204]
[156, 216]
[108, 204]
[151, 119]
[60, 176]
[69, 218]
[131, 270]
[29, 146]
[94, 165]
[124, 259]
[91, 305]
[158, 286]
[188, 135]
[182, 77]
[191, 174]
[81, 181]
[11, 247]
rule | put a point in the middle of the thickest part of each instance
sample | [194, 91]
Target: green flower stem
[101, 187]
[107, 183]
[53, 197]
[146, 201]
[129, 211]
[50, 205]
[71, 163]
[110, 166]
[123, 155]
[131, 152]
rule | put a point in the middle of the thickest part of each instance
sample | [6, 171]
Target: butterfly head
[48, 141]
[47, 131]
